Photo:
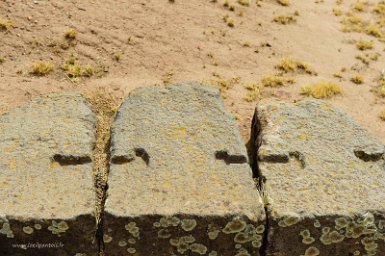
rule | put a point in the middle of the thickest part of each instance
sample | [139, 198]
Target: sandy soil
[137, 43]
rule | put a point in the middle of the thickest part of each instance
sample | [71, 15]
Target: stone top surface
[318, 161]
[45, 158]
[176, 150]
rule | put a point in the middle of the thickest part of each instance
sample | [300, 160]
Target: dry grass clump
[254, 92]
[243, 2]
[41, 68]
[357, 79]
[382, 115]
[359, 6]
[70, 34]
[74, 70]
[222, 83]
[5, 24]
[380, 89]
[284, 2]
[288, 65]
[337, 12]
[321, 90]
[2, 59]
[229, 21]
[285, 19]
[276, 81]
[353, 23]
[379, 8]
[364, 45]
[373, 30]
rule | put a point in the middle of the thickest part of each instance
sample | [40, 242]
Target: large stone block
[325, 181]
[47, 195]
[180, 182]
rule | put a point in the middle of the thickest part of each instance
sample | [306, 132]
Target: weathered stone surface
[47, 196]
[325, 181]
[179, 181]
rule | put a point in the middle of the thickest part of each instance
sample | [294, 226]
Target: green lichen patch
[37, 226]
[132, 229]
[188, 224]
[234, 226]
[6, 230]
[131, 250]
[28, 230]
[107, 238]
[164, 233]
[213, 234]
[58, 227]
[312, 251]
[289, 220]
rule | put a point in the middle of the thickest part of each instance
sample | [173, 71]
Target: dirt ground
[231, 44]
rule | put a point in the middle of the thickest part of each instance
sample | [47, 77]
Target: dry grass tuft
[254, 92]
[74, 70]
[276, 81]
[285, 19]
[243, 2]
[364, 45]
[288, 65]
[284, 2]
[5, 24]
[357, 79]
[382, 115]
[321, 90]
[70, 34]
[41, 68]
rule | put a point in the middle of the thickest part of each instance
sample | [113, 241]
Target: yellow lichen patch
[41, 68]
[357, 79]
[382, 115]
[287, 65]
[321, 90]
[5, 24]
[312, 251]
[284, 2]
[364, 45]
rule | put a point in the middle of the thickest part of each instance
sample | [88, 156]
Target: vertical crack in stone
[105, 105]
[253, 147]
